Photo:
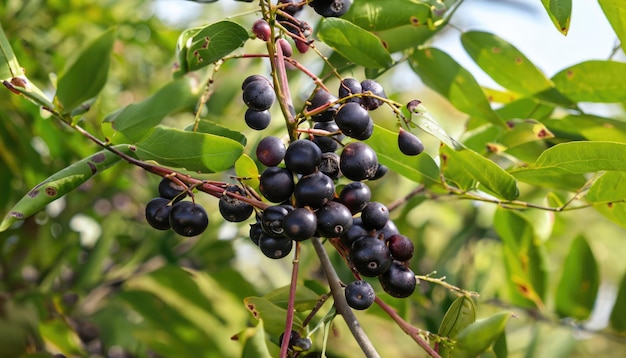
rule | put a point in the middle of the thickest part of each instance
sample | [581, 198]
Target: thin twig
[291, 303]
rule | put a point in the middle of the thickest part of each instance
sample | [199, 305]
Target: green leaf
[190, 150]
[478, 336]
[352, 42]
[83, 78]
[273, 316]
[422, 118]
[461, 314]
[560, 12]
[202, 46]
[500, 347]
[137, 119]
[611, 186]
[246, 168]
[578, 287]
[10, 66]
[524, 131]
[210, 127]
[615, 12]
[504, 63]
[59, 184]
[376, 15]
[420, 168]
[593, 81]
[254, 342]
[471, 170]
[590, 127]
[619, 308]
[524, 258]
[305, 298]
[446, 76]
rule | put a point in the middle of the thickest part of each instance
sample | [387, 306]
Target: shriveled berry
[276, 184]
[355, 196]
[303, 157]
[285, 47]
[360, 294]
[333, 219]
[300, 224]
[158, 213]
[314, 190]
[257, 120]
[409, 144]
[399, 281]
[400, 247]
[188, 218]
[330, 165]
[261, 29]
[168, 189]
[371, 103]
[358, 161]
[270, 151]
[375, 215]
[233, 209]
[370, 256]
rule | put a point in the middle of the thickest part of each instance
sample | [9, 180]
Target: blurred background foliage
[88, 276]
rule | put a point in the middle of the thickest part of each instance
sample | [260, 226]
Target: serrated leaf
[560, 12]
[593, 81]
[618, 313]
[59, 184]
[590, 127]
[446, 76]
[478, 336]
[461, 314]
[615, 12]
[202, 46]
[471, 170]
[504, 63]
[420, 168]
[578, 287]
[352, 42]
[210, 127]
[376, 15]
[136, 120]
[246, 168]
[190, 150]
[86, 75]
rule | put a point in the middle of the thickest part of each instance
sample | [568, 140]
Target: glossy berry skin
[331, 8]
[350, 86]
[257, 120]
[374, 215]
[358, 161]
[400, 247]
[303, 157]
[275, 248]
[314, 190]
[360, 294]
[293, 336]
[322, 98]
[300, 224]
[355, 232]
[233, 209]
[330, 165]
[381, 170]
[409, 144]
[285, 47]
[158, 213]
[353, 120]
[355, 196]
[261, 29]
[272, 220]
[370, 256]
[371, 103]
[327, 143]
[188, 219]
[276, 184]
[387, 231]
[259, 95]
[398, 281]
[255, 232]
[333, 219]
[270, 151]
[170, 190]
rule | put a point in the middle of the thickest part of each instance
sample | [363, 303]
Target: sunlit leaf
[478, 336]
[461, 314]
[305, 299]
[619, 308]
[578, 286]
[190, 150]
[611, 186]
[272, 315]
[560, 12]
[593, 81]
[246, 168]
[420, 168]
[446, 76]
[59, 184]
[9, 66]
[590, 127]
[504, 63]
[254, 342]
[136, 120]
[473, 171]
[524, 131]
[210, 127]
[375, 15]
[615, 12]
[83, 78]
[354, 43]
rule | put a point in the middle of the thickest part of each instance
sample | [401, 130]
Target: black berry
[272, 220]
[158, 213]
[171, 190]
[303, 157]
[333, 219]
[259, 95]
[355, 196]
[354, 121]
[375, 88]
[314, 190]
[257, 120]
[331, 8]
[350, 86]
[276, 184]
[370, 256]
[399, 281]
[400, 247]
[327, 143]
[374, 215]
[299, 224]
[233, 209]
[188, 218]
[358, 161]
[275, 248]
[409, 144]
[270, 151]
[360, 294]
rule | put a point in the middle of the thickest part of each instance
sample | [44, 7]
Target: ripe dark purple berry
[270, 151]
[276, 184]
[327, 143]
[255, 232]
[320, 99]
[400, 247]
[355, 196]
[188, 218]
[353, 120]
[285, 47]
[272, 220]
[158, 213]
[381, 170]
[331, 8]
[399, 281]
[370, 256]
[355, 232]
[314, 190]
[259, 94]
[168, 189]
[350, 86]
[360, 294]
[374, 215]
[371, 103]
[333, 219]
[300, 224]
[251, 79]
[358, 161]
[233, 209]
[303, 157]
[409, 144]
[275, 248]
[257, 120]
[261, 29]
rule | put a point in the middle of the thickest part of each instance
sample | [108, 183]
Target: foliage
[526, 207]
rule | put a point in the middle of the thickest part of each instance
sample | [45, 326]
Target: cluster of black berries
[169, 211]
[258, 95]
